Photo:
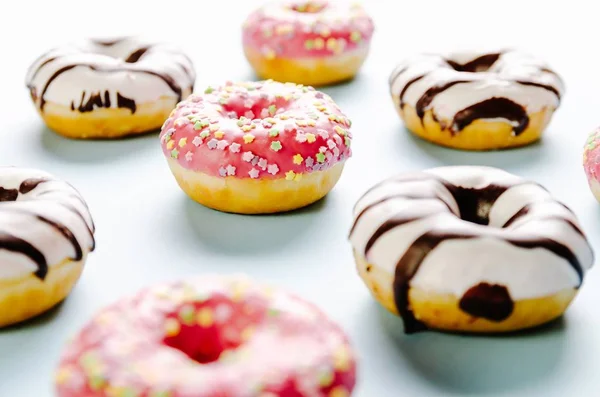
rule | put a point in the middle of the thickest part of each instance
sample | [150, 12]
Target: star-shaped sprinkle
[298, 159]
[253, 173]
[204, 134]
[276, 146]
[209, 90]
[320, 157]
[249, 114]
[273, 132]
[235, 147]
[189, 156]
[272, 110]
[197, 141]
[331, 144]
[309, 162]
[264, 113]
[300, 137]
[175, 153]
[339, 130]
[198, 125]
[222, 171]
[231, 170]
[219, 134]
[182, 142]
[221, 145]
[347, 141]
[248, 138]
[298, 177]
[170, 145]
[290, 175]
[322, 149]
[262, 163]
[213, 128]
[248, 156]
[336, 152]
[310, 138]
[272, 169]
[355, 36]
[212, 144]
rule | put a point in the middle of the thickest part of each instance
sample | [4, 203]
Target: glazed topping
[591, 156]
[43, 222]
[257, 129]
[122, 73]
[465, 87]
[307, 29]
[207, 337]
[474, 232]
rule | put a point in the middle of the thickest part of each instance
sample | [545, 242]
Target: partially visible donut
[310, 42]
[46, 233]
[469, 249]
[209, 336]
[109, 89]
[476, 100]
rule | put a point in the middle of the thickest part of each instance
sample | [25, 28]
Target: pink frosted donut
[591, 162]
[208, 337]
[257, 147]
[308, 42]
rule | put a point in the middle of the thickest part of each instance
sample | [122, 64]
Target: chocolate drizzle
[487, 301]
[18, 245]
[30, 184]
[102, 100]
[136, 55]
[493, 108]
[8, 194]
[429, 95]
[492, 302]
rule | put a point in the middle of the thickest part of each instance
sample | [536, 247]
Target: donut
[476, 100]
[109, 88]
[46, 234]
[307, 42]
[591, 162]
[257, 147]
[208, 336]
[468, 249]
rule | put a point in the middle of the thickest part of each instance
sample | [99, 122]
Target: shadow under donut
[240, 235]
[479, 364]
[96, 150]
[508, 159]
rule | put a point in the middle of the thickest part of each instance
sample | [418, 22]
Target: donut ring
[476, 101]
[471, 249]
[307, 42]
[207, 337]
[109, 89]
[46, 233]
[257, 147]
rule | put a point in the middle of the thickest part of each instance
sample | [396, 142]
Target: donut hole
[481, 64]
[475, 205]
[205, 331]
[255, 108]
[308, 7]
[116, 52]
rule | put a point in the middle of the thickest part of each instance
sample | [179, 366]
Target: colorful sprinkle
[186, 314]
[205, 317]
[310, 138]
[175, 153]
[197, 141]
[253, 173]
[290, 175]
[273, 169]
[248, 138]
[219, 134]
[320, 157]
[339, 391]
[273, 132]
[209, 90]
[298, 159]
[276, 146]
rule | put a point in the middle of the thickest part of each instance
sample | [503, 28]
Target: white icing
[500, 80]
[456, 265]
[54, 200]
[131, 80]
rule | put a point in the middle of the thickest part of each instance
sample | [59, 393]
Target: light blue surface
[149, 231]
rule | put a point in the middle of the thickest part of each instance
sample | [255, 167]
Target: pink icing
[591, 156]
[257, 130]
[279, 30]
[208, 337]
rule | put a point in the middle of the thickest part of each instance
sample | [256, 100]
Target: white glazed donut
[46, 233]
[476, 100]
[468, 249]
[104, 89]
